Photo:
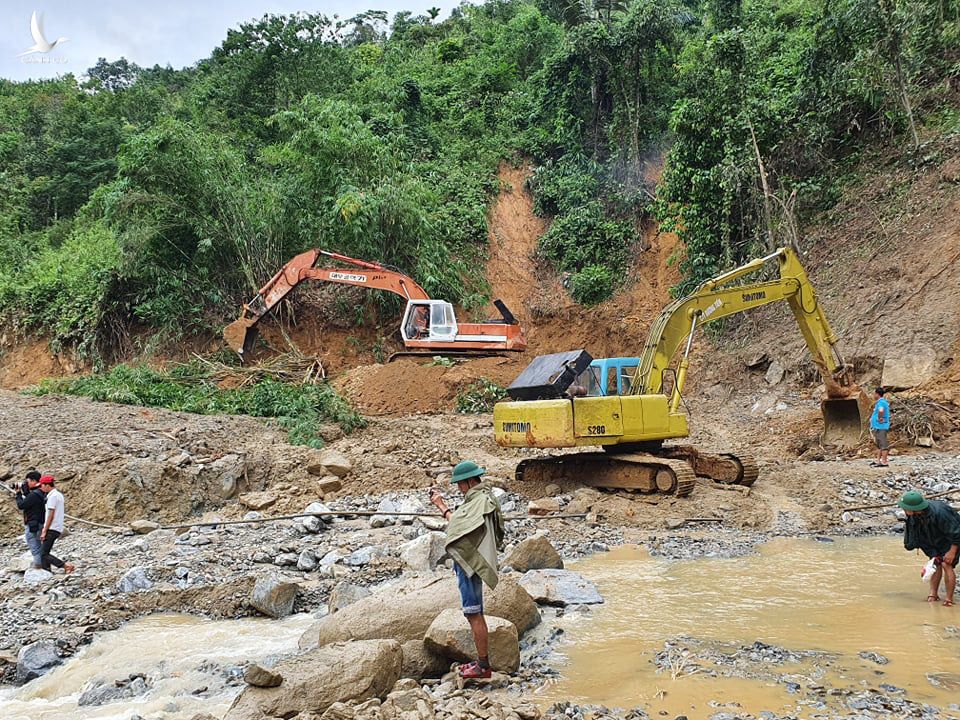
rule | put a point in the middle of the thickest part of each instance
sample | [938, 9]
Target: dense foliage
[300, 409]
[480, 397]
[156, 198]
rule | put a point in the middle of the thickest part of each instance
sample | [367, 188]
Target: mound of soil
[408, 386]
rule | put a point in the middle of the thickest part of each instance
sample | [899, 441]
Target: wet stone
[273, 596]
[36, 659]
[259, 676]
[874, 657]
[134, 579]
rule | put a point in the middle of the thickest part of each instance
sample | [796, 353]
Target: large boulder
[20, 564]
[560, 587]
[423, 553]
[258, 500]
[316, 679]
[383, 518]
[449, 635]
[102, 693]
[259, 676]
[510, 602]
[543, 506]
[336, 463]
[36, 659]
[273, 596]
[35, 576]
[404, 611]
[909, 370]
[535, 553]
[329, 484]
[420, 662]
[144, 527]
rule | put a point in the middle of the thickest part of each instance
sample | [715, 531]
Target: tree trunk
[767, 216]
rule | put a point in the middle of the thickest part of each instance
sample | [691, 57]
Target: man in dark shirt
[934, 527]
[32, 501]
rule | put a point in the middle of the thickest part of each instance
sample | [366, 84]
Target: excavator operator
[421, 322]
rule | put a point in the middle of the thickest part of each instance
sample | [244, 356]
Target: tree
[113, 76]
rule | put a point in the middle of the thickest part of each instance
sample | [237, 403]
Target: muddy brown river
[825, 601]
[676, 637]
[186, 660]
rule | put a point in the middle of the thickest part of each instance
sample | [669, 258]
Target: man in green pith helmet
[934, 527]
[474, 535]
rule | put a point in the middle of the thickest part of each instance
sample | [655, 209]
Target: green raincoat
[475, 534]
[934, 531]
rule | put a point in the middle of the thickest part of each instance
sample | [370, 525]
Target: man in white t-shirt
[53, 526]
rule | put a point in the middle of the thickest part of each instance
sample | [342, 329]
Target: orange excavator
[428, 326]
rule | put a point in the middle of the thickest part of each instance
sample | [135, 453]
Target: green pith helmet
[913, 501]
[466, 470]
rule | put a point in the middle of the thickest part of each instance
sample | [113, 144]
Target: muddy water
[841, 598]
[185, 659]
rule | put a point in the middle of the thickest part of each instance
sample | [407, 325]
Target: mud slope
[534, 293]
[886, 265]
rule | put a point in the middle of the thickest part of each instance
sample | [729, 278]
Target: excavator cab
[608, 376]
[429, 320]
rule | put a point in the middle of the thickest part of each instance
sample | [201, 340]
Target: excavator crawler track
[471, 354]
[751, 471]
[625, 471]
[726, 468]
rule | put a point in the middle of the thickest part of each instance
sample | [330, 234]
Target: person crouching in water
[474, 535]
[934, 528]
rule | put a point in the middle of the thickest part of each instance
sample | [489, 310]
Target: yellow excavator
[551, 407]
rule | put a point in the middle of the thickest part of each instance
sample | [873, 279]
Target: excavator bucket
[240, 335]
[846, 420]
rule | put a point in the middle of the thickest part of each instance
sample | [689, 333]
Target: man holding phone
[474, 535]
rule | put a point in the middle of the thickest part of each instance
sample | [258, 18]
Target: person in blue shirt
[879, 426]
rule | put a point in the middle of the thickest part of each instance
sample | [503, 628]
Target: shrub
[592, 285]
[480, 396]
[300, 409]
[584, 237]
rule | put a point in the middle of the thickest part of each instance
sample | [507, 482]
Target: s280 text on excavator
[551, 406]
[428, 326]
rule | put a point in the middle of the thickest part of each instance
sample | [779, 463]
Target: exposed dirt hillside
[531, 288]
[886, 264]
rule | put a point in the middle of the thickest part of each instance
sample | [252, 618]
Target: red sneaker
[473, 671]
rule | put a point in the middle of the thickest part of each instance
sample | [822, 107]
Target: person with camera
[31, 501]
[53, 527]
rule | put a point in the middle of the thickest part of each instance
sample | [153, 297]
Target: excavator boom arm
[718, 298]
[239, 334]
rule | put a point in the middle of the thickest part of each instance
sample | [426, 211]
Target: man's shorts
[955, 562]
[471, 591]
[880, 438]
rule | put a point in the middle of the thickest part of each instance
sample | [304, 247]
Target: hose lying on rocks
[338, 513]
[355, 513]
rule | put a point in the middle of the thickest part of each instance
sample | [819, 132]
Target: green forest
[153, 198]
